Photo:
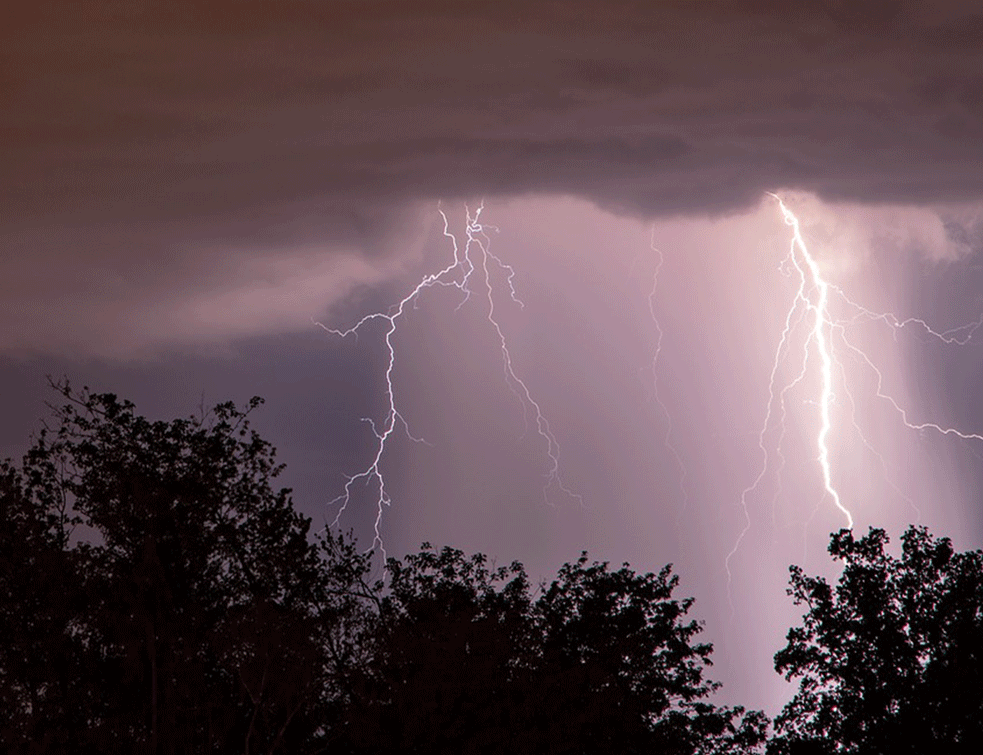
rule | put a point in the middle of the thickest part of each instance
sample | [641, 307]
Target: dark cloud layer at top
[134, 134]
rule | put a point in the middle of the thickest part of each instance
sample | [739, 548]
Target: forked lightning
[473, 260]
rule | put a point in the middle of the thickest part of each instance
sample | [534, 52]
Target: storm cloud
[165, 156]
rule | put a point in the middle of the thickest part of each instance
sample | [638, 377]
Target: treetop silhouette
[890, 659]
[158, 594]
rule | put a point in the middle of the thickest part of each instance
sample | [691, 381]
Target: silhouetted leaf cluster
[465, 660]
[159, 595]
[891, 659]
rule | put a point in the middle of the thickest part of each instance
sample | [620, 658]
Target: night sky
[187, 187]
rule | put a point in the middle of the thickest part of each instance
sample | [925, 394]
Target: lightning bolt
[821, 323]
[472, 260]
[827, 337]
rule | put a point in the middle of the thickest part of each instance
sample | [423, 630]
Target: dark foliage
[159, 595]
[891, 660]
[465, 661]
[156, 593]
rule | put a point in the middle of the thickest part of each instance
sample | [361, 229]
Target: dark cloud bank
[238, 117]
[160, 139]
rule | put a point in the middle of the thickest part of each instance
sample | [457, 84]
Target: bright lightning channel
[821, 323]
[472, 260]
[811, 304]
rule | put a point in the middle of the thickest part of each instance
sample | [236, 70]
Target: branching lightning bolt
[821, 324]
[826, 337]
[475, 256]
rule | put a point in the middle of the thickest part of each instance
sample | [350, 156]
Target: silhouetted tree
[619, 657]
[891, 660]
[43, 667]
[450, 636]
[158, 595]
[466, 661]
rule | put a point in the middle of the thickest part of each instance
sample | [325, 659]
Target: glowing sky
[186, 186]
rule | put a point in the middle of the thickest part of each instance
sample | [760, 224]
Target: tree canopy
[603, 661]
[891, 659]
[158, 594]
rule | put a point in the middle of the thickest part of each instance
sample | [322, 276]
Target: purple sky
[185, 186]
